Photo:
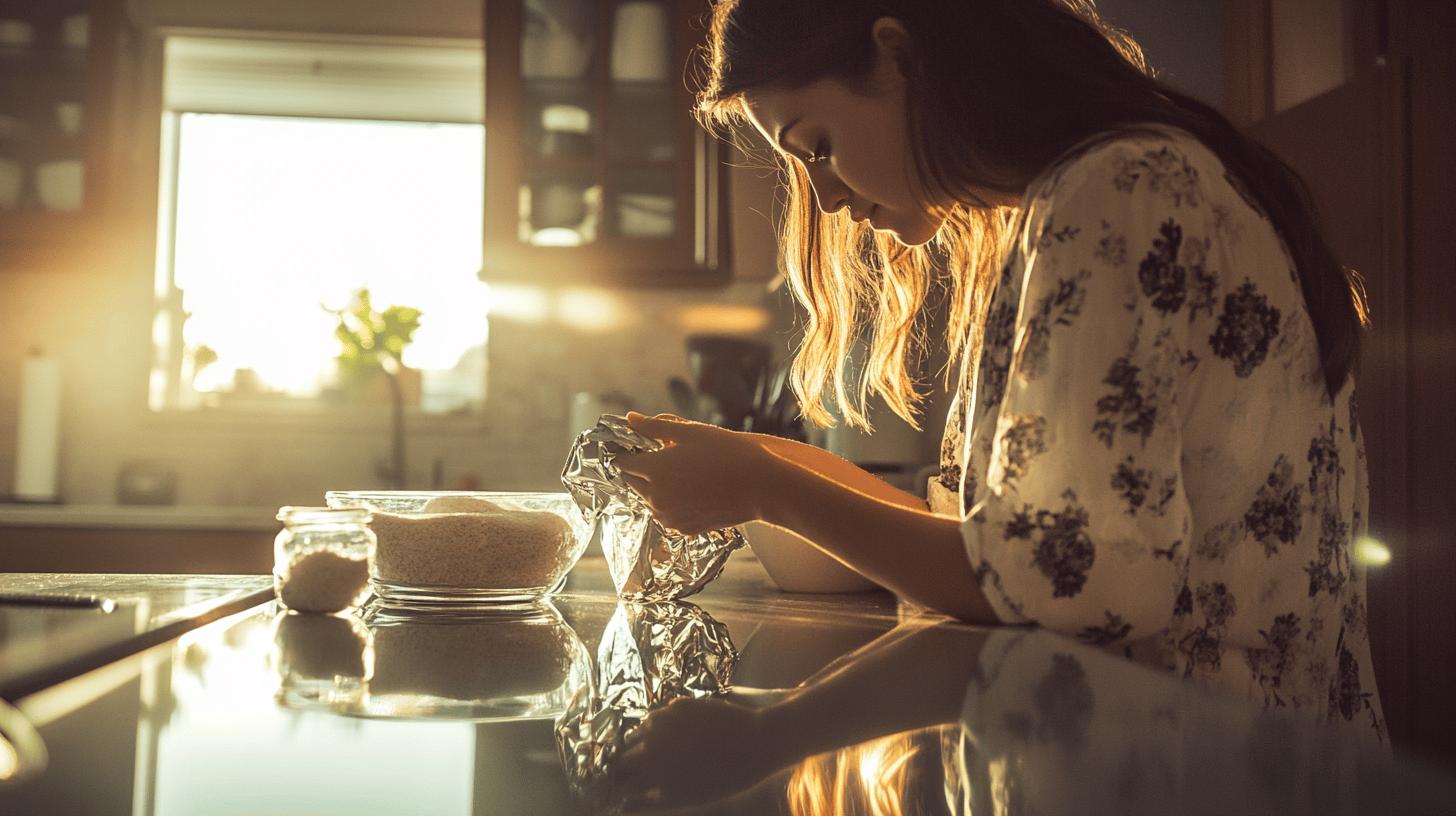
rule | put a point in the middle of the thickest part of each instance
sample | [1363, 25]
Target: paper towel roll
[38, 447]
[583, 413]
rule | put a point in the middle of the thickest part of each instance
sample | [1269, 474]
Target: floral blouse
[1145, 454]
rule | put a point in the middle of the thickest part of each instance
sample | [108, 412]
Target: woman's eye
[821, 152]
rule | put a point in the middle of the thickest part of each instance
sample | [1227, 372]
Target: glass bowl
[479, 664]
[453, 548]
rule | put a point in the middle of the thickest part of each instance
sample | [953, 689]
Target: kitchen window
[296, 175]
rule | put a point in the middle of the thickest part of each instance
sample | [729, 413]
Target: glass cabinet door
[43, 95]
[595, 169]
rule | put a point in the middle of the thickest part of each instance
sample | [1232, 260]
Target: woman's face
[855, 143]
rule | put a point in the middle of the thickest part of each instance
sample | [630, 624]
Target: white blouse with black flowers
[1153, 462]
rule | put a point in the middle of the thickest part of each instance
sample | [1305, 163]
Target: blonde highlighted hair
[871, 779]
[998, 92]
[855, 285]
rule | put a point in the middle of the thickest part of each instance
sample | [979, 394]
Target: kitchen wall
[93, 313]
[94, 317]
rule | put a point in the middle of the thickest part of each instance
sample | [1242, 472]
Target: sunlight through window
[279, 219]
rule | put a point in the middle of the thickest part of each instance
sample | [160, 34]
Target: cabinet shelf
[28, 90]
[57, 104]
[640, 197]
[43, 62]
[575, 166]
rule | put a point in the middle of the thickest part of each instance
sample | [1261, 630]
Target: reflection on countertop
[44, 644]
[744, 701]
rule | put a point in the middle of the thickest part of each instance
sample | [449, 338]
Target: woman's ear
[892, 44]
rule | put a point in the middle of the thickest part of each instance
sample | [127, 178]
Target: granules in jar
[498, 549]
[322, 581]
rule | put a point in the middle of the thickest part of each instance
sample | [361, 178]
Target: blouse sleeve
[1084, 523]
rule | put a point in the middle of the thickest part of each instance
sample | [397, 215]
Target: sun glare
[1371, 552]
[278, 218]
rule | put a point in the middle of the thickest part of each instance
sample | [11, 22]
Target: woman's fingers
[637, 483]
[663, 427]
[645, 465]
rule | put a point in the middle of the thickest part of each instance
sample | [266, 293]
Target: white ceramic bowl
[640, 43]
[798, 566]
[11, 176]
[76, 30]
[61, 184]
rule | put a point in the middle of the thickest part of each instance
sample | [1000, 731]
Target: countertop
[743, 701]
[42, 645]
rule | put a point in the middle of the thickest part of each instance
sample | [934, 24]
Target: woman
[1155, 445]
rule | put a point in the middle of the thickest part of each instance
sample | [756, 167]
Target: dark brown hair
[998, 91]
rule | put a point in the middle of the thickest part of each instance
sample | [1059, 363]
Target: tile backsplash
[519, 443]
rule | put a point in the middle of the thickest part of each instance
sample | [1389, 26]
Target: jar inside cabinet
[595, 169]
[43, 94]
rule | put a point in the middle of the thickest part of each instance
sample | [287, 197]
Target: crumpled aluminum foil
[647, 561]
[650, 655]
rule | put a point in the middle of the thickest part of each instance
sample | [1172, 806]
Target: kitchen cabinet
[66, 68]
[596, 172]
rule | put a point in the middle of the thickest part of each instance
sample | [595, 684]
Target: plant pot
[797, 565]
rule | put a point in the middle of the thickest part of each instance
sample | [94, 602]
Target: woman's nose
[830, 195]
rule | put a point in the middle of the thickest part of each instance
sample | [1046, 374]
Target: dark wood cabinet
[595, 171]
[65, 72]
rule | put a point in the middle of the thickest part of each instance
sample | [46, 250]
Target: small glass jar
[321, 558]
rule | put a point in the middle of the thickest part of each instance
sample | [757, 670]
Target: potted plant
[371, 344]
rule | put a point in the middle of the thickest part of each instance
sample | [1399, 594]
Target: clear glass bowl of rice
[454, 548]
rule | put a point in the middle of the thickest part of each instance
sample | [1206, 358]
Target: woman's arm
[840, 470]
[708, 478]
[906, 549]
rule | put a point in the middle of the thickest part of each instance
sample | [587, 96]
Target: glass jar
[321, 558]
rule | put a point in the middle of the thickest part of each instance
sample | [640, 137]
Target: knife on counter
[64, 599]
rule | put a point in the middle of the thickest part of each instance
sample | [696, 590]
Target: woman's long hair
[997, 92]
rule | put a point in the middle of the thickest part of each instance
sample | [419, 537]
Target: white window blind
[437, 81]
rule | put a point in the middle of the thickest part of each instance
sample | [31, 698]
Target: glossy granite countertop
[744, 701]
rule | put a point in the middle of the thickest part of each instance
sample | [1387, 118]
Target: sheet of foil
[650, 655]
[647, 561]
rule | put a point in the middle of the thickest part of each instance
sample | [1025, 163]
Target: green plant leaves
[371, 341]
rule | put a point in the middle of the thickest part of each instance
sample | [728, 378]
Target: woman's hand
[706, 478]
